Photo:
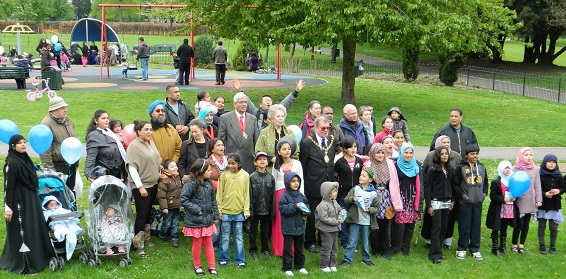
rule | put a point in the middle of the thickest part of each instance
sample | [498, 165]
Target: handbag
[389, 212]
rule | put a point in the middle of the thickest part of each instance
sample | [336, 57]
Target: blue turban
[153, 105]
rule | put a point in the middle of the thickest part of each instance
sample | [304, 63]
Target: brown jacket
[169, 192]
[61, 131]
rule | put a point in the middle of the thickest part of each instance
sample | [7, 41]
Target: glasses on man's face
[159, 110]
[324, 128]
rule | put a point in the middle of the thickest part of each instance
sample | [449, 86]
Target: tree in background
[239, 62]
[204, 45]
[28, 10]
[82, 8]
[118, 14]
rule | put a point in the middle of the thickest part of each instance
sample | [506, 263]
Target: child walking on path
[293, 223]
[552, 186]
[528, 202]
[233, 198]
[199, 201]
[502, 212]
[124, 66]
[327, 222]
[169, 197]
[363, 203]
[470, 187]
[262, 190]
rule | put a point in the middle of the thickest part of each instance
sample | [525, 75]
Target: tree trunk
[266, 54]
[547, 57]
[293, 51]
[497, 56]
[333, 53]
[348, 78]
[529, 54]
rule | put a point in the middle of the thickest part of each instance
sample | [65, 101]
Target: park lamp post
[17, 29]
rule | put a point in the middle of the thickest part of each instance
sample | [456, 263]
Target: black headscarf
[544, 171]
[21, 164]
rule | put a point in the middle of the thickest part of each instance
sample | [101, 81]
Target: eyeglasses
[159, 110]
[324, 128]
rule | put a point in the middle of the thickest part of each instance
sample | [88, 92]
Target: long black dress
[27, 248]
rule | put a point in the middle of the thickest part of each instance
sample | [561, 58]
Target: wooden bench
[163, 48]
[14, 73]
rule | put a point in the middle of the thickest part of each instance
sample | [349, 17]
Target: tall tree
[82, 8]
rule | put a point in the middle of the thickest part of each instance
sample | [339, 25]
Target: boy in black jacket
[470, 187]
[262, 188]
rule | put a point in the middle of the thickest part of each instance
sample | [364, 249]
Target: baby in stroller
[63, 230]
[113, 229]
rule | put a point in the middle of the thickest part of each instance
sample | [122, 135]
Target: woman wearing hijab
[387, 187]
[27, 249]
[410, 192]
[454, 157]
[502, 212]
[552, 186]
[207, 116]
[103, 148]
[529, 201]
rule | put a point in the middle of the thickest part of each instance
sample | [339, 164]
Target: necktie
[323, 144]
[242, 119]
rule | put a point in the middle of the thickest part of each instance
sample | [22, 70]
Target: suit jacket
[102, 150]
[230, 133]
[315, 170]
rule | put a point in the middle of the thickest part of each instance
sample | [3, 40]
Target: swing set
[103, 36]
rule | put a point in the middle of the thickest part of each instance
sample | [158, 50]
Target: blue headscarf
[202, 113]
[544, 171]
[410, 168]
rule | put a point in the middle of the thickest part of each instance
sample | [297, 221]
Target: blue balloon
[519, 183]
[57, 47]
[40, 138]
[297, 131]
[7, 130]
[71, 150]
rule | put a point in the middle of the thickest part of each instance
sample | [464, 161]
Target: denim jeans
[356, 231]
[144, 65]
[171, 220]
[232, 222]
[469, 227]
[216, 236]
[344, 226]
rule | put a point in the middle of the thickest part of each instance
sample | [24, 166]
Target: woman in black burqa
[27, 249]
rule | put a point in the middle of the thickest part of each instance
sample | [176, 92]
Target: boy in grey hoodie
[327, 222]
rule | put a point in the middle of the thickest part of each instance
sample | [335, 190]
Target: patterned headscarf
[380, 168]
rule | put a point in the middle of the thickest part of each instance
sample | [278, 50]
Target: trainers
[477, 256]
[109, 251]
[552, 250]
[542, 250]
[446, 246]
[255, 255]
[289, 273]
[344, 263]
[223, 264]
[175, 243]
[303, 271]
[460, 255]
[121, 249]
[368, 263]
[266, 253]
[326, 269]
[313, 249]
[333, 269]
[242, 265]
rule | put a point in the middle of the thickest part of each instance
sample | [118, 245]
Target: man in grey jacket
[220, 57]
[177, 112]
[143, 56]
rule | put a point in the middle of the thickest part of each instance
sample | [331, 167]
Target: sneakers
[109, 251]
[368, 263]
[333, 269]
[552, 250]
[121, 249]
[255, 255]
[460, 255]
[242, 265]
[344, 263]
[313, 249]
[303, 271]
[289, 273]
[477, 256]
[266, 253]
[542, 250]
[326, 269]
[223, 264]
[175, 243]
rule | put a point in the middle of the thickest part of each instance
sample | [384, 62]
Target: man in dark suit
[185, 53]
[317, 158]
[239, 132]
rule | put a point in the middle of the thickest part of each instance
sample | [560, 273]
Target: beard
[158, 119]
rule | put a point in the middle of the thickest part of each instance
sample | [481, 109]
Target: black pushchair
[52, 183]
[110, 220]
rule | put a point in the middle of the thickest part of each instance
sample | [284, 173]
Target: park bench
[162, 48]
[14, 73]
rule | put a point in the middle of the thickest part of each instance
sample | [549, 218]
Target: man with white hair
[239, 131]
[352, 127]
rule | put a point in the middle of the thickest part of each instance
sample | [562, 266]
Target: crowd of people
[349, 181]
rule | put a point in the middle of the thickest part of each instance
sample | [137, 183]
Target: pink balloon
[128, 134]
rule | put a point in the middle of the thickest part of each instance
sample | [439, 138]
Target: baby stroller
[52, 183]
[110, 220]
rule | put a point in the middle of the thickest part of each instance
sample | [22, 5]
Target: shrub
[239, 61]
[449, 65]
[204, 45]
[410, 63]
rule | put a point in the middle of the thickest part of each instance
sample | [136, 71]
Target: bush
[204, 45]
[410, 63]
[239, 61]
[449, 65]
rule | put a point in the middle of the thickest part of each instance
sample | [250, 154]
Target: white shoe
[326, 269]
[460, 255]
[303, 271]
[333, 269]
[289, 273]
[477, 256]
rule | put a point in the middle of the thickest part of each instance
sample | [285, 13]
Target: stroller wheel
[123, 263]
[129, 261]
[53, 264]
[92, 263]
[83, 257]
[61, 263]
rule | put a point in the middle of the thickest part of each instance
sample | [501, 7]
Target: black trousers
[401, 235]
[438, 230]
[71, 171]
[220, 72]
[264, 223]
[452, 218]
[310, 232]
[380, 239]
[295, 241]
[143, 207]
[521, 229]
[184, 73]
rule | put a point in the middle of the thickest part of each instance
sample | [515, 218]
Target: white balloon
[54, 39]
[48, 41]
[1, 49]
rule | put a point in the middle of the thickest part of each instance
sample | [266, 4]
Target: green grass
[165, 261]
